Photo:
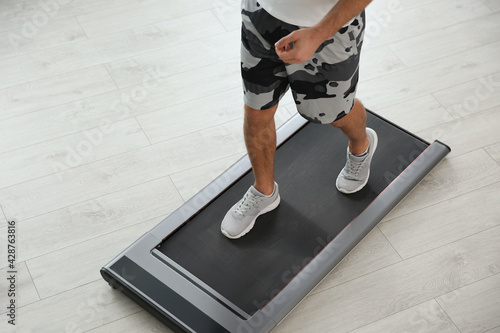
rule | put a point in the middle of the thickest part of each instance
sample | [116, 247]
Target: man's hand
[305, 43]
[307, 40]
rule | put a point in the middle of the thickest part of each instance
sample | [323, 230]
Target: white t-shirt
[305, 13]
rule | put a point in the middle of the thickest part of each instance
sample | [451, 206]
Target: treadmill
[194, 279]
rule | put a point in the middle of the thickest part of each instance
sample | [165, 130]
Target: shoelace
[353, 168]
[248, 202]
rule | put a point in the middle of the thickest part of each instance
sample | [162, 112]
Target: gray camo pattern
[323, 87]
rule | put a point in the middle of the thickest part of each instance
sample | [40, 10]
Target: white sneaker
[356, 171]
[240, 219]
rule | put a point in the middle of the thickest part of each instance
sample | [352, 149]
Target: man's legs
[362, 145]
[354, 126]
[260, 139]
[264, 82]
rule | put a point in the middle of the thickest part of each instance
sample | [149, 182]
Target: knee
[339, 123]
[356, 108]
[259, 117]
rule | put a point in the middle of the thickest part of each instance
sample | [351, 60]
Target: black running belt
[249, 271]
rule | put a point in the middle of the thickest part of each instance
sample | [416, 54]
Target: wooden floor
[113, 113]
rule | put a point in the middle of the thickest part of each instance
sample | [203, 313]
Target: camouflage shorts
[323, 87]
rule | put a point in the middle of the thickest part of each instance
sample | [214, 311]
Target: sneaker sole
[250, 226]
[374, 144]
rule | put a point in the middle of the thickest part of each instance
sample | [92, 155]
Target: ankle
[266, 189]
[358, 148]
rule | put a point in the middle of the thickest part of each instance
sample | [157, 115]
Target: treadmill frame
[184, 303]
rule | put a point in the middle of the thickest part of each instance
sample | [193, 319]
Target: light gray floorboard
[425, 317]
[474, 308]
[61, 154]
[137, 322]
[444, 222]
[494, 151]
[471, 97]
[47, 92]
